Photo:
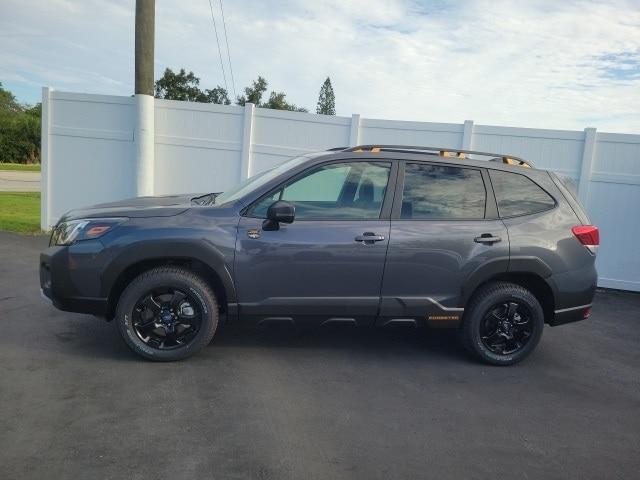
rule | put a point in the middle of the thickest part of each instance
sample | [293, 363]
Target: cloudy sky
[549, 64]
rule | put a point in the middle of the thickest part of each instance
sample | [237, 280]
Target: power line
[215, 28]
[224, 24]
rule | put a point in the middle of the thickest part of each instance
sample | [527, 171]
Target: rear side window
[442, 192]
[518, 195]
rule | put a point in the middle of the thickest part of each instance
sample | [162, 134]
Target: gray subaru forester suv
[369, 235]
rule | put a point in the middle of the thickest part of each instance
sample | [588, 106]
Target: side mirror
[279, 212]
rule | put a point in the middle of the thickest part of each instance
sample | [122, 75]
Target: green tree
[35, 111]
[8, 103]
[186, 87]
[277, 101]
[326, 99]
[19, 130]
[178, 86]
[254, 93]
[217, 95]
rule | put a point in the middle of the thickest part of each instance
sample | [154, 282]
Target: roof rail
[336, 149]
[442, 152]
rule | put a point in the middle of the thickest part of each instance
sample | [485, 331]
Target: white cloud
[539, 64]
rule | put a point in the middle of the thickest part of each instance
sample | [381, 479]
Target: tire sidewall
[479, 311]
[147, 282]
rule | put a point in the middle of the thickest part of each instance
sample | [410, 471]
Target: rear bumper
[569, 315]
[574, 291]
[66, 285]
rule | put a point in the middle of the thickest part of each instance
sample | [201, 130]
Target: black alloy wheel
[167, 313]
[506, 328]
[502, 323]
[166, 318]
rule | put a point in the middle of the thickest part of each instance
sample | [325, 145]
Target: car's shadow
[91, 337]
[334, 336]
[400, 342]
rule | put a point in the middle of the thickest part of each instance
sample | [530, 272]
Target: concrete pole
[144, 130]
[247, 141]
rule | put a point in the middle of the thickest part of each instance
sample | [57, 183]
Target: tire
[167, 283]
[493, 304]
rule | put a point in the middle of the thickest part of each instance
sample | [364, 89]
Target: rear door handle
[369, 238]
[487, 238]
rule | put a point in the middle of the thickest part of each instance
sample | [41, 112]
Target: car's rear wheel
[502, 324]
[167, 314]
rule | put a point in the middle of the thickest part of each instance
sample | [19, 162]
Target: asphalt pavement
[310, 404]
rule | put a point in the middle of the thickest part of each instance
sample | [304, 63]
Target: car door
[444, 231]
[327, 265]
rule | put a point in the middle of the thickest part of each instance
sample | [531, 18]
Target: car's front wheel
[167, 313]
[502, 324]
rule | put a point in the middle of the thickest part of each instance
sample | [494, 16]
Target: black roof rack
[442, 152]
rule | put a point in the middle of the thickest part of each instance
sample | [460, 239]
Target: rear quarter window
[518, 195]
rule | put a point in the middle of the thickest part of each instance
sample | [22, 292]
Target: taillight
[587, 235]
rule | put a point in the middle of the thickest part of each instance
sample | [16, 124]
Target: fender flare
[481, 274]
[528, 264]
[195, 249]
[501, 265]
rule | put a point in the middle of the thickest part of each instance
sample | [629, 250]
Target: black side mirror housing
[279, 212]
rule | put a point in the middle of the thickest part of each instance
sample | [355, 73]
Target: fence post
[247, 141]
[467, 135]
[588, 154]
[354, 134]
[45, 160]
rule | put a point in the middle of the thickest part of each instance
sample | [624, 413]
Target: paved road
[12, 181]
[321, 404]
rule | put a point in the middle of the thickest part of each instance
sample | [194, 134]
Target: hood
[163, 206]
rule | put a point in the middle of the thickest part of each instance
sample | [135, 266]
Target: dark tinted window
[518, 195]
[442, 192]
[352, 190]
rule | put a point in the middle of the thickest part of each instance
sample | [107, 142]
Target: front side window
[518, 195]
[352, 190]
[441, 192]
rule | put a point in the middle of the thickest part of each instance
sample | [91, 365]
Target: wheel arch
[533, 282]
[197, 256]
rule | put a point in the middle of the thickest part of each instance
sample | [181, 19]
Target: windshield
[250, 184]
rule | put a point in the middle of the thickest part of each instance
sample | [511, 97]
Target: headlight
[69, 232]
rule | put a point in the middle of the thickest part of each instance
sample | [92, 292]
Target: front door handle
[487, 238]
[369, 238]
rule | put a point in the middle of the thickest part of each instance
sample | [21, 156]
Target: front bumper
[69, 281]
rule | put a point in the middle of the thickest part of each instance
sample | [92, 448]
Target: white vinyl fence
[88, 157]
